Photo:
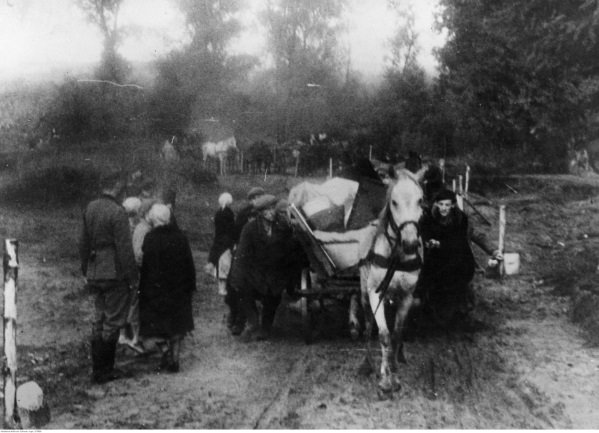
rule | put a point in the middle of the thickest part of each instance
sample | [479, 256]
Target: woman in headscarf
[166, 284]
[219, 258]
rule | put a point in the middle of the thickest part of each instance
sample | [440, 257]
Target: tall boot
[97, 358]
[107, 372]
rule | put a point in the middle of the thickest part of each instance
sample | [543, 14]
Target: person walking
[108, 264]
[220, 256]
[449, 263]
[129, 335]
[167, 281]
[236, 317]
[257, 274]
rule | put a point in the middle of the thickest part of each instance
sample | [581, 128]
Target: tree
[199, 79]
[521, 74]
[302, 37]
[404, 45]
[104, 14]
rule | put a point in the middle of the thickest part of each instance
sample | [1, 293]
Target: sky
[41, 35]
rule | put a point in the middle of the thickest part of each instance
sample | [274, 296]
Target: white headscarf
[224, 200]
[159, 215]
[132, 205]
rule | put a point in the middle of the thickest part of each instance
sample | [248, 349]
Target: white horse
[389, 273]
[219, 150]
[168, 152]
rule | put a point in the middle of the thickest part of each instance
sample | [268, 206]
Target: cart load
[334, 219]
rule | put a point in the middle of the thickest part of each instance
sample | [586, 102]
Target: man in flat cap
[257, 274]
[236, 317]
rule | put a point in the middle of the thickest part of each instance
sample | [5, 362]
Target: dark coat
[261, 262]
[450, 267]
[168, 279]
[224, 234]
[243, 216]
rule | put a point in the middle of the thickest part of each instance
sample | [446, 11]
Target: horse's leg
[385, 383]
[367, 364]
[397, 339]
[354, 323]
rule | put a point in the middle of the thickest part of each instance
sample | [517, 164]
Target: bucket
[511, 263]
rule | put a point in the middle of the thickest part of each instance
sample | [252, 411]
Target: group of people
[264, 260]
[139, 267]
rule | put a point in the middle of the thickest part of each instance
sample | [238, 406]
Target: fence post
[467, 184]
[501, 242]
[9, 370]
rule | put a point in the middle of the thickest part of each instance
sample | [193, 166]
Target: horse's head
[404, 209]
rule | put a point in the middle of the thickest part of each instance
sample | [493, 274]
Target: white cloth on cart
[313, 198]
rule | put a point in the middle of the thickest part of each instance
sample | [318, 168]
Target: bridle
[396, 229]
[394, 262]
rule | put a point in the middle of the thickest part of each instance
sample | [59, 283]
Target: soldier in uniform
[108, 264]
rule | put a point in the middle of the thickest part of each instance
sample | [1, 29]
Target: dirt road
[526, 366]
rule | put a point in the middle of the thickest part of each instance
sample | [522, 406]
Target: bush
[192, 171]
[61, 184]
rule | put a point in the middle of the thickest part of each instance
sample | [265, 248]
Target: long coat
[450, 267]
[261, 261]
[224, 234]
[167, 281]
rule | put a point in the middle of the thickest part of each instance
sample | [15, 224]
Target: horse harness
[394, 262]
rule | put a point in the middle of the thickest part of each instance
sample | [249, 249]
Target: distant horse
[219, 151]
[389, 272]
[168, 152]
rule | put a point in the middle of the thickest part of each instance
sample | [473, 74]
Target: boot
[252, 329]
[97, 360]
[106, 371]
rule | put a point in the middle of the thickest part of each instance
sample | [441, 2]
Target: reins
[393, 263]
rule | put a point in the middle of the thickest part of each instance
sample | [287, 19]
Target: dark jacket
[261, 261]
[105, 247]
[224, 234]
[449, 267]
[244, 215]
[167, 281]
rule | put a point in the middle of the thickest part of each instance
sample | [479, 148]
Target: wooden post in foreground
[330, 168]
[370, 154]
[9, 370]
[501, 242]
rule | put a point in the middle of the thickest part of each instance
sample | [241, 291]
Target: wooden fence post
[467, 183]
[9, 370]
[501, 242]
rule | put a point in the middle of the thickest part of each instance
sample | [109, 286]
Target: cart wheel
[305, 308]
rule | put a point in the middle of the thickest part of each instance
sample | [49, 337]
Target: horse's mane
[401, 174]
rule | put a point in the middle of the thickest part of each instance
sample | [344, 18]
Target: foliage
[104, 14]
[302, 37]
[518, 74]
[199, 79]
[404, 46]
[89, 110]
[56, 184]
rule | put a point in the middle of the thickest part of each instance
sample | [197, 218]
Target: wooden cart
[326, 281]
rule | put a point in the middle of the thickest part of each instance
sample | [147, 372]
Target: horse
[219, 150]
[168, 152]
[389, 270]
